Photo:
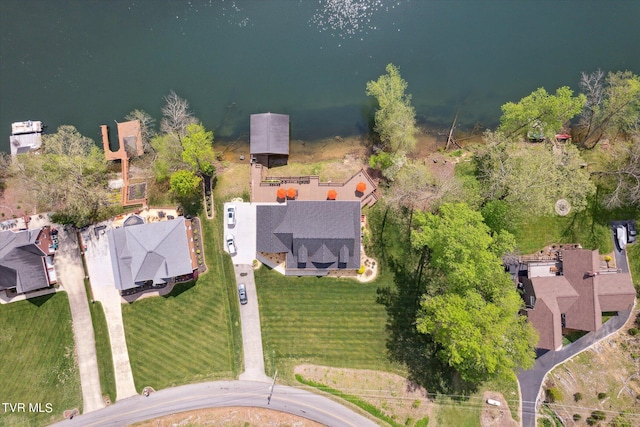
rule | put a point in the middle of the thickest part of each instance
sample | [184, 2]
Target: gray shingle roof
[269, 134]
[21, 261]
[156, 251]
[315, 234]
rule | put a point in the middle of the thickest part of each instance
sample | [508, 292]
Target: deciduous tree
[395, 121]
[176, 115]
[620, 176]
[540, 110]
[198, 151]
[185, 184]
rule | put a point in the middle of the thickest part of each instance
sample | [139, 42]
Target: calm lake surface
[90, 62]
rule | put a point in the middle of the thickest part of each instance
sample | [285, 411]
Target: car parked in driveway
[231, 244]
[231, 215]
[631, 232]
[242, 293]
[621, 236]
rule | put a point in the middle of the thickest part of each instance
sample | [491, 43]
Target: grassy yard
[37, 361]
[192, 334]
[324, 321]
[103, 351]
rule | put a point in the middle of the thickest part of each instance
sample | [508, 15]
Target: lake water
[89, 62]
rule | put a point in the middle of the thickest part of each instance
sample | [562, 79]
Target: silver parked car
[231, 244]
[242, 294]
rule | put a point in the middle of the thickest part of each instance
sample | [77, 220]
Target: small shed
[269, 143]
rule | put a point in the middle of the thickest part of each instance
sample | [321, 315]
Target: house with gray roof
[151, 253]
[269, 140]
[315, 236]
[26, 260]
[572, 293]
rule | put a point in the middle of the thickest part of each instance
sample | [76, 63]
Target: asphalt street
[221, 394]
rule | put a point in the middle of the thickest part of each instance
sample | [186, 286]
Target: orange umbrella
[292, 193]
[332, 194]
[281, 194]
[361, 187]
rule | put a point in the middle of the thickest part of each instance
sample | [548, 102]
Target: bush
[608, 258]
[634, 331]
[554, 395]
[577, 397]
[546, 422]
[361, 269]
[416, 404]
[577, 417]
[602, 395]
[423, 422]
[598, 415]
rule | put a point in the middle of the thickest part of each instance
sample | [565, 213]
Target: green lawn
[37, 360]
[192, 334]
[325, 321]
[103, 351]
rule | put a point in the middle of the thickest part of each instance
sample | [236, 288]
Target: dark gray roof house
[316, 236]
[269, 137]
[155, 252]
[23, 260]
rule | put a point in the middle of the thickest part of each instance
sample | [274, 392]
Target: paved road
[68, 266]
[251, 333]
[222, 394]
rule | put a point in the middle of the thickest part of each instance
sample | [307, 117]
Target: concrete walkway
[68, 266]
[251, 334]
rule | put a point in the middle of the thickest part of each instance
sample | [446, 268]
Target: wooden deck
[129, 135]
[264, 188]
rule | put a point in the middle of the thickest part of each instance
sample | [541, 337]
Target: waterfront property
[570, 291]
[26, 260]
[312, 237]
[151, 254]
[25, 136]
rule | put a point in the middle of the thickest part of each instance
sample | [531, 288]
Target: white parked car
[231, 244]
[621, 236]
[231, 215]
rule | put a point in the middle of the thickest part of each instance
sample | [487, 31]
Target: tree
[147, 127]
[475, 317]
[176, 115]
[68, 177]
[534, 176]
[482, 340]
[168, 157]
[540, 111]
[621, 176]
[613, 106]
[185, 184]
[395, 121]
[198, 151]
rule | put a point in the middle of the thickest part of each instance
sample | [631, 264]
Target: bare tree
[147, 127]
[623, 173]
[593, 87]
[176, 115]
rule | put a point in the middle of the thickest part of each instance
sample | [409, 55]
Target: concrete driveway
[98, 261]
[68, 266]
[251, 332]
[244, 231]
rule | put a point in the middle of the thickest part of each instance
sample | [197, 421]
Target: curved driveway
[221, 394]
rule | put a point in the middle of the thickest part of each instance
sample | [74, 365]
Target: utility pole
[271, 388]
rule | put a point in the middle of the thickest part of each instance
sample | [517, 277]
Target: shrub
[598, 415]
[577, 417]
[602, 395]
[416, 404]
[577, 397]
[608, 258]
[361, 269]
[423, 422]
[546, 422]
[198, 251]
[633, 331]
[554, 395]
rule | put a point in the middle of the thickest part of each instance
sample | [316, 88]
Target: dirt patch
[397, 397]
[496, 416]
[16, 200]
[230, 417]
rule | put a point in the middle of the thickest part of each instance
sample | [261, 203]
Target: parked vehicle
[242, 294]
[231, 244]
[631, 232]
[231, 215]
[621, 236]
